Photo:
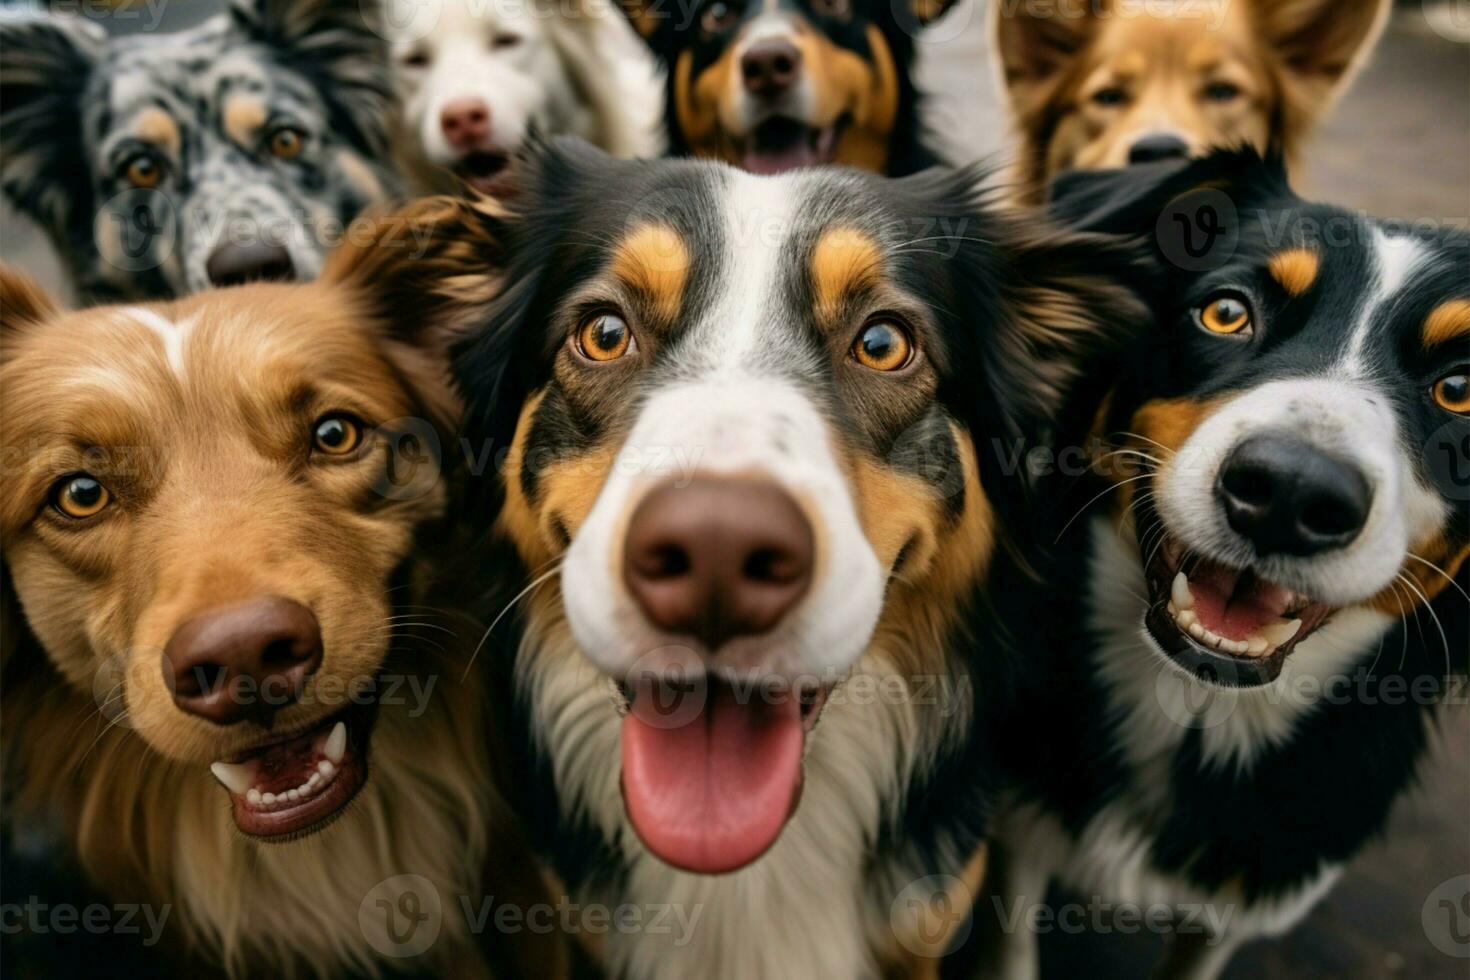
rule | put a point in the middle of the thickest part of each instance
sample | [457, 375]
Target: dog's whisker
[544, 576]
[1109, 489]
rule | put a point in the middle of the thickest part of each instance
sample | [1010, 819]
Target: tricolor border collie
[740, 518]
[1255, 618]
[770, 85]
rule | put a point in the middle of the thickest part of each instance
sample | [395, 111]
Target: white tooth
[315, 780]
[1257, 646]
[1173, 609]
[1187, 618]
[306, 789]
[253, 797]
[268, 799]
[293, 794]
[1196, 630]
[235, 778]
[1279, 633]
[1183, 598]
[336, 743]
[1240, 648]
[325, 768]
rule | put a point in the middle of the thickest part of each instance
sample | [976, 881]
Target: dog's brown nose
[466, 122]
[245, 660]
[770, 67]
[718, 558]
[231, 264]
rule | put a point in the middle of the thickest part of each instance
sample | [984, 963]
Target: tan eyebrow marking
[654, 259]
[243, 117]
[1447, 321]
[843, 260]
[155, 126]
[1295, 268]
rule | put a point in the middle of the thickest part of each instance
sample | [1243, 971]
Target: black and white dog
[1240, 652]
[161, 165]
[736, 420]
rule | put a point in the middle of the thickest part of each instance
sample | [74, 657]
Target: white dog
[475, 76]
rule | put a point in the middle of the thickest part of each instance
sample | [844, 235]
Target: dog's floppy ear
[341, 46]
[1320, 44]
[23, 304]
[1033, 42]
[43, 80]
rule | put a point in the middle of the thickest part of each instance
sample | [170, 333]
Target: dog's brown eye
[882, 345]
[1110, 96]
[1221, 91]
[1452, 393]
[605, 337]
[337, 435]
[144, 171]
[286, 142]
[80, 497]
[1225, 315]
[832, 8]
[718, 16]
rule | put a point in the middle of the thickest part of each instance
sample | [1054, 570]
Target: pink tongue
[779, 161]
[1235, 617]
[711, 793]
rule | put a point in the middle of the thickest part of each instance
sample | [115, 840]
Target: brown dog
[1105, 83]
[215, 515]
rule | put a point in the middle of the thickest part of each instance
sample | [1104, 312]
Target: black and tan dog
[221, 517]
[741, 422]
[1242, 660]
[769, 85]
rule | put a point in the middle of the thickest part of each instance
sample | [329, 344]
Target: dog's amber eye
[79, 497]
[1221, 91]
[718, 16]
[286, 142]
[144, 171]
[1452, 393]
[1225, 315]
[337, 435]
[1110, 96]
[605, 337]
[883, 346]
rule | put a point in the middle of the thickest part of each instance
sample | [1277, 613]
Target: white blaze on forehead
[171, 334]
[1395, 258]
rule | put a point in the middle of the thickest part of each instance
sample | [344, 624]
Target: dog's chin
[1222, 625]
[781, 143]
[712, 769]
[290, 787]
[487, 171]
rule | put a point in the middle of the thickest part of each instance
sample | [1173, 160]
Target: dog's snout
[718, 559]
[1157, 146]
[465, 122]
[245, 660]
[1290, 498]
[231, 264]
[770, 67]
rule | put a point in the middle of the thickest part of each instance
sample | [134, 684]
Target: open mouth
[1223, 624]
[296, 786]
[781, 143]
[485, 171]
[712, 771]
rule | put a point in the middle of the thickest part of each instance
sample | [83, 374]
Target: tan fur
[1295, 269]
[654, 261]
[155, 126]
[196, 416]
[1289, 60]
[843, 261]
[243, 115]
[1447, 322]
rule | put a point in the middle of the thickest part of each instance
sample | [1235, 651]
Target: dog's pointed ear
[1320, 44]
[23, 304]
[1033, 43]
[43, 79]
[342, 46]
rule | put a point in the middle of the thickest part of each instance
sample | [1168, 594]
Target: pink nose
[466, 122]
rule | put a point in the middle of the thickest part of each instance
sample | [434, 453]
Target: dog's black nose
[1290, 498]
[233, 264]
[1157, 146]
[718, 558]
[249, 659]
[770, 67]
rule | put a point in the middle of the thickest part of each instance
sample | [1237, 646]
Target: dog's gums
[1224, 624]
[289, 788]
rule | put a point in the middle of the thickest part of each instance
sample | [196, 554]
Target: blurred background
[1398, 145]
